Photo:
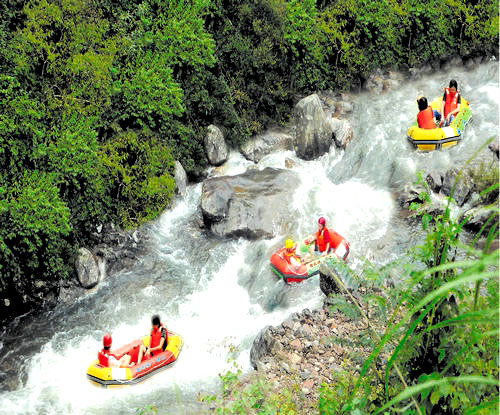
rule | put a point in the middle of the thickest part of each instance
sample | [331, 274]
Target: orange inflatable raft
[282, 268]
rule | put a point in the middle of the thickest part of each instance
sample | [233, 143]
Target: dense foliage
[99, 97]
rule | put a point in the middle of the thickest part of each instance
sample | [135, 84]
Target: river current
[219, 293]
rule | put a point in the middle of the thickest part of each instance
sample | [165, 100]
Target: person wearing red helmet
[108, 359]
[321, 238]
[157, 342]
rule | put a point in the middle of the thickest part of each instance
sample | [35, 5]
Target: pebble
[285, 367]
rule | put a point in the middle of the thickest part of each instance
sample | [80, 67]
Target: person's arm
[159, 347]
[148, 349]
[310, 239]
[327, 248]
[457, 109]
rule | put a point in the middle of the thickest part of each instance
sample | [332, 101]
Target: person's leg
[436, 115]
[125, 361]
[142, 350]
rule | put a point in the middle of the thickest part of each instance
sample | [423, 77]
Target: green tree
[35, 227]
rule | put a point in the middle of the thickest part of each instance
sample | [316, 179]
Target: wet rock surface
[180, 179]
[215, 146]
[313, 135]
[114, 250]
[264, 144]
[234, 206]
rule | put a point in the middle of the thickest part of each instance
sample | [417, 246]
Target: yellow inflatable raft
[112, 377]
[444, 137]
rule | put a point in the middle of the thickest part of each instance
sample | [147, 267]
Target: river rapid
[218, 293]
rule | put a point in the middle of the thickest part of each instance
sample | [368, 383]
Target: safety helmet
[288, 244]
[322, 220]
[106, 340]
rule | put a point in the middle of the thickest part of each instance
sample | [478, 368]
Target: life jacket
[320, 239]
[103, 357]
[156, 338]
[451, 102]
[290, 255]
[425, 119]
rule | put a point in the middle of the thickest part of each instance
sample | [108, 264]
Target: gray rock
[342, 132]
[289, 163]
[180, 179]
[285, 367]
[87, 268]
[409, 195]
[313, 136]
[264, 144]
[493, 146]
[415, 73]
[469, 64]
[345, 107]
[328, 275]
[287, 324]
[434, 180]
[452, 63]
[215, 146]
[327, 283]
[239, 205]
[215, 197]
[463, 189]
[388, 84]
[374, 83]
[262, 345]
[478, 216]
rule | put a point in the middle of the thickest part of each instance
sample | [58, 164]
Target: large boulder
[463, 189]
[313, 134]
[180, 179]
[87, 268]
[252, 204]
[264, 144]
[215, 146]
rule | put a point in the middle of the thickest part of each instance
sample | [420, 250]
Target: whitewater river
[220, 293]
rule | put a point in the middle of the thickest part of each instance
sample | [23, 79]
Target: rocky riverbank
[309, 349]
